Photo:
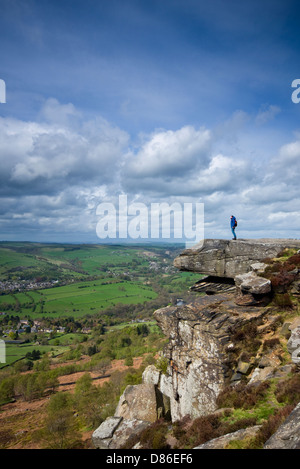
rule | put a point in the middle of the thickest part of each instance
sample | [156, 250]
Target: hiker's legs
[233, 232]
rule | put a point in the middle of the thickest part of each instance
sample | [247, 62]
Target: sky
[161, 101]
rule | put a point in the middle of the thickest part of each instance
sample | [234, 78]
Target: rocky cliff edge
[219, 338]
[228, 258]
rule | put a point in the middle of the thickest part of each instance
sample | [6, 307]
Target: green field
[77, 299]
[11, 260]
[85, 297]
[89, 278]
[15, 352]
[67, 339]
[28, 260]
[91, 259]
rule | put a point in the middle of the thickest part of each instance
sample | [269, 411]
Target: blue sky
[161, 100]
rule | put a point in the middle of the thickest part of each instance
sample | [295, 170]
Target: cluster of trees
[27, 386]
[129, 342]
[33, 355]
[69, 323]
[125, 343]
[67, 414]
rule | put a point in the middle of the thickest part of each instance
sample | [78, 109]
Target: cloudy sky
[159, 100]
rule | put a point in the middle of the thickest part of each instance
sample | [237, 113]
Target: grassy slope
[106, 265]
[75, 263]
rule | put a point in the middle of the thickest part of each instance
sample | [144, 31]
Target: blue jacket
[232, 222]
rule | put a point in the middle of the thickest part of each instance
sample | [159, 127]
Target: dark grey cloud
[49, 156]
[58, 169]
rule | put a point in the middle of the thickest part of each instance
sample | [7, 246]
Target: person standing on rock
[233, 224]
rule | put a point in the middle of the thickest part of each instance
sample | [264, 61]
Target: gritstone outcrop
[203, 354]
[224, 258]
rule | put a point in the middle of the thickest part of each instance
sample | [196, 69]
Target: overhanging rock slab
[227, 258]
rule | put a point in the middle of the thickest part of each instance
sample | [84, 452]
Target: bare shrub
[242, 396]
[270, 427]
[288, 391]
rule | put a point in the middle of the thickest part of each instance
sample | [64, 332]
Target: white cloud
[59, 114]
[48, 157]
[289, 153]
[224, 173]
[284, 217]
[170, 153]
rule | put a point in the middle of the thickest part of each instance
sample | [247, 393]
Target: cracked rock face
[224, 258]
[199, 342]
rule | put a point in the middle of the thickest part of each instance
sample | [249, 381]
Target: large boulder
[138, 407]
[138, 402]
[102, 435]
[252, 283]
[227, 258]
[115, 432]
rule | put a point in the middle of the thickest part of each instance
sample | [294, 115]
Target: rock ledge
[227, 258]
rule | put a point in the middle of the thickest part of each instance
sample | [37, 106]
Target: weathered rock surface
[252, 283]
[139, 406]
[269, 372]
[106, 430]
[227, 258]
[198, 351]
[296, 288]
[114, 432]
[293, 345]
[138, 402]
[288, 434]
[125, 431]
